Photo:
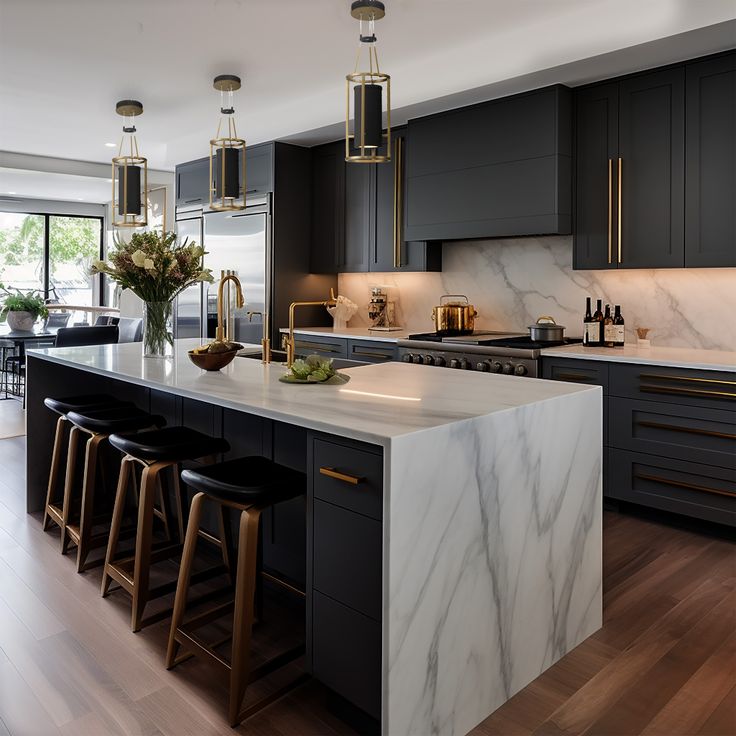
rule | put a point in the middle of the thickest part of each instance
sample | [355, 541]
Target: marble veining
[514, 281]
[494, 568]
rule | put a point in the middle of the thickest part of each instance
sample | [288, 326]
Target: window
[51, 253]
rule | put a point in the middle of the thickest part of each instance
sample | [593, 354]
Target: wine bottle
[618, 323]
[596, 328]
[587, 322]
[609, 329]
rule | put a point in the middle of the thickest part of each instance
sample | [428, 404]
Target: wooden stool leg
[226, 541]
[88, 498]
[185, 572]
[55, 466]
[243, 617]
[126, 466]
[71, 466]
[176, 486]
[143, 542]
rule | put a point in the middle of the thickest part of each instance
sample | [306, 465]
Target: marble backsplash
[512, 282]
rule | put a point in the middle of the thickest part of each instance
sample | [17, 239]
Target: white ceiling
[48, 185]
[64, 63]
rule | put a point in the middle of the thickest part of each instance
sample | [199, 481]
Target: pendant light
[129, 173]
[365, 91]
[227, 152]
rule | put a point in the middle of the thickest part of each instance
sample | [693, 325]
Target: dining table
[13, 343]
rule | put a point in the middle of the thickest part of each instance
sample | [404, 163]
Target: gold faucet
[239, 302]
[290, 343]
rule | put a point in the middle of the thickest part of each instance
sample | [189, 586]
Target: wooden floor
[664, 662]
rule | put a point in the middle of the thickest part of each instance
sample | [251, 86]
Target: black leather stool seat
[115, 419]
[247, 480]
[170, 444]
[76, 403]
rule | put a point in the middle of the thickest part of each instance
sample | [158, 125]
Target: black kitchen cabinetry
[671, 435]
[358, 216]
[710, 163]
[497, 169]
[629, 175]
[344, 568]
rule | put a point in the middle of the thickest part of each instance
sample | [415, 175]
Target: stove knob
[520, 370]
[439, 360]
[495, 367]
[466, 365]
[428, 360]
[407, 357]
[454, 363]
[416, 358]
[483, 366]
[508, 368]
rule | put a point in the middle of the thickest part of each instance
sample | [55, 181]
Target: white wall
[514, 281]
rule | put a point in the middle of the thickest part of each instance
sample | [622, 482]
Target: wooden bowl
[212, 361]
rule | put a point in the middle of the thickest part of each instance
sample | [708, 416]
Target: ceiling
[52, 186]
[64, 63]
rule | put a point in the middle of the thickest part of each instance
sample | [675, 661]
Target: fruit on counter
[313, 368]
[218, 346]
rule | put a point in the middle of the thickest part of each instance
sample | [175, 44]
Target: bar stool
[157, 452]
[250, 485]
[53, 512]
[99, 424]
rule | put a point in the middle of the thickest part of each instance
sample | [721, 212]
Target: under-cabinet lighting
[379, 396]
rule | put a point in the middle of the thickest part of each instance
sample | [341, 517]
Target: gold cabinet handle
[620, 184]
[324, 347]
[354, 480]
[687, 430]
[369, 354]
[610, 210]
[683, 484]
[398, 197]
[677, 391]
[698, 379]
[572, 377]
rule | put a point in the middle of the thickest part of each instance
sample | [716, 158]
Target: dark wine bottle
[609, 330]
[596, 329]
[619, 328]
[587, 322]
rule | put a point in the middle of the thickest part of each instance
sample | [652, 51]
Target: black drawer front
[347, 558]
[673, 485]
[675, 385]
[686, 433]
[348, 477]
[346, 653]
[589, 372]
[371, 352]
[330, 347]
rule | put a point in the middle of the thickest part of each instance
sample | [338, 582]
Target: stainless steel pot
[546, 330]
[455, 316]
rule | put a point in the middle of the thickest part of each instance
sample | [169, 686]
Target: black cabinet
[259, 169]
[710, 164]
[192, 183]
[329, 347]
[629, 188]
[358, 217]
[372, 351]
[500, 168]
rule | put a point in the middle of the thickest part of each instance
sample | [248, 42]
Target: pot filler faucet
[290, 343]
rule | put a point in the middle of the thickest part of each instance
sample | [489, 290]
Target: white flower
[148, 264]
[139, 258]
[100, 266]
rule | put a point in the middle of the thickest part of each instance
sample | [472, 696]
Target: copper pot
[454, 315]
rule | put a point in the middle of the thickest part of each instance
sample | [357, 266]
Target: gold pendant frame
[223, 203]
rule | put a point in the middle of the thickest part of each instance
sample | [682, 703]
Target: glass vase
[158, 329]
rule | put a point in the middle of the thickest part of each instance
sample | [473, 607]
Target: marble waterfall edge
[493, 570]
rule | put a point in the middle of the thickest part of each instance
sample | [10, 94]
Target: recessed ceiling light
[111, 145]
[11, 192]
[80, 199]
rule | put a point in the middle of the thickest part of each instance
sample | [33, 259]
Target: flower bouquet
[157, 269]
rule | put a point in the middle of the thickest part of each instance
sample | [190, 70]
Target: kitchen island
[476, 554]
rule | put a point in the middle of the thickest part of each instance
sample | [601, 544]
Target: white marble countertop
[710, 360]
[379, 403]
[354, 333]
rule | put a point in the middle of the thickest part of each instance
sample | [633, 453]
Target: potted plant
[157, 269]
[21, 309]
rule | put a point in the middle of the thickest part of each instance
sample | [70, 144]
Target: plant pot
[21, 321]
[158, 329]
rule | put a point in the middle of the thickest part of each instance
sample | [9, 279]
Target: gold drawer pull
[662, 377]
[324, 347]
[677, 391]
[573, 377]
[610, 208]
[683, 484]
[368, 354]
[337, 475]
[688, 430]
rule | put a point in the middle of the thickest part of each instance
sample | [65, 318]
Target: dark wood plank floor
[663, 664]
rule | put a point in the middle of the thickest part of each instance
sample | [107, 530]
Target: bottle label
[609, 333]
[619, 339]
[592, 333]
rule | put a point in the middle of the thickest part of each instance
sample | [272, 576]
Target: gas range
[512, 353]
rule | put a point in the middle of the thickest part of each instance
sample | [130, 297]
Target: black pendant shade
[368, 119]
[129, 190]
[231, 187]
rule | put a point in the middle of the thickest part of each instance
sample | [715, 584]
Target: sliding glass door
[22, 251]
